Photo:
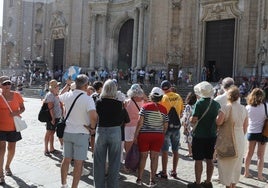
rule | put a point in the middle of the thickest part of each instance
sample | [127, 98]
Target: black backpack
[174, 119]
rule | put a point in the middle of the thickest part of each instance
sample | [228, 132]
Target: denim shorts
[172, 137]
[10, 136]
[256, 137]
[75, 145]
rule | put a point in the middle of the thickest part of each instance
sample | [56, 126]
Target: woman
[108, 136]
[230, 168]
[55, 107]
[187, 113]
[150, 133]
[7, 129]
[256, 117]
[132, 104]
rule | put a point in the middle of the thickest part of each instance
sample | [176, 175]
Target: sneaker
[152, 184]
[139, 182]
[194, 185]
[172, 174]
[207, 184]
[161, 174]
[64, 186]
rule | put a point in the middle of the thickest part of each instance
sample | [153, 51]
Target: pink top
[133, 112]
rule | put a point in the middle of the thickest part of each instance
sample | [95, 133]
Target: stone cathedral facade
[227, 36]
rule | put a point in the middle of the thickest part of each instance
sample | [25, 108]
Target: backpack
[174, 119]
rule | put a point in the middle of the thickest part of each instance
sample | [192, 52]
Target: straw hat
[204, 89]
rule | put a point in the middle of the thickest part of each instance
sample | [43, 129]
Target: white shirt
[79, 115]
[256, 117]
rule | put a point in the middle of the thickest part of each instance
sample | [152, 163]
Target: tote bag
[133, 158]
[225, 143]
[20, 123]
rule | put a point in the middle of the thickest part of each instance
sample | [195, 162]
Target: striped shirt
[155, 115]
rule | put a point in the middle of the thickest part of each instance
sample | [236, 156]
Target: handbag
[265, 124]
[60, 126]
[133, 158]
[225, 143]
[44, 114]
[20, 123]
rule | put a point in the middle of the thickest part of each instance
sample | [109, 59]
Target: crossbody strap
[6, 103]
[194, 127]
[72, 106]
[135, 104]
[265, 107]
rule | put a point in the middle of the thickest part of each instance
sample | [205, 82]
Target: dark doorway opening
[125, 45]
[219, 48]
[58, 55]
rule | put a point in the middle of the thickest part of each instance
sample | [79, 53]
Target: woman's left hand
[15, 113]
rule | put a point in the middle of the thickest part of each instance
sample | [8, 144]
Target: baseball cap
[157, 92]
[165, 85]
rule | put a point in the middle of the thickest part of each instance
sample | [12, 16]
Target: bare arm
[140, 123]
[245, 125]
[220, 118]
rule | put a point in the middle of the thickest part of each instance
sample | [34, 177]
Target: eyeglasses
[6, 84]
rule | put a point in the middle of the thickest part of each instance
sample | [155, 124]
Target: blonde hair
[233, 94]
[256, 97]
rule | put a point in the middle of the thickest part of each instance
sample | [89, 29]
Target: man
[226, 84]
[76, 134]
[172, 136]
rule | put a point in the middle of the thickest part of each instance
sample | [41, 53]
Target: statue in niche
[262, 54]
[58, 20]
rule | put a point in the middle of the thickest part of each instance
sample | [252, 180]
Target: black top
[110, 112]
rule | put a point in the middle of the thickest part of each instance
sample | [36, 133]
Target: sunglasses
[6, 84]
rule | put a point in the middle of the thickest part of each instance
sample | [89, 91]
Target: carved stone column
[92, 43]
[140, 38]
[103, 44]
[135, 39]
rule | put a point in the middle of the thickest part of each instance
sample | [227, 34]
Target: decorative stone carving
[58, 25]
[176, 4]
[174, 57]
[223, 10]
[175, 31]
[264, 24]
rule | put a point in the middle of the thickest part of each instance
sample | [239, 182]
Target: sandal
[248, 176]
[161, 175]
[139, 182]
[8, 172]
[263, 179]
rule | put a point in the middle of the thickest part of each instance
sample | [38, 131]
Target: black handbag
[60, 126]
[44, 114]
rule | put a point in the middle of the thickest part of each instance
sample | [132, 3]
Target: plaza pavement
[32, 169]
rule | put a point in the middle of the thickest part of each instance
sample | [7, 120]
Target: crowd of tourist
[153, 123]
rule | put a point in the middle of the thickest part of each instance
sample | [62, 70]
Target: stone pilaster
[92, 44]
[140, 38]
[135, 39]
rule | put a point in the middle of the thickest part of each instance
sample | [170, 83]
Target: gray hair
[109, 89]
[227, 83]
[81, 80]
[135, 91]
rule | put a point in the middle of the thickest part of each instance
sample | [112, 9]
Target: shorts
[150, 142]
[52, 127]
[75, 145]
[10, 136]
[203, 148]
[258, 137]
[129, 133]
[172, 137]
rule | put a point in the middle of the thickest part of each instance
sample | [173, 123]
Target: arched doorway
[125, 45]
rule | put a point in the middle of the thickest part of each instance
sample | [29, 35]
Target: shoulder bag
[60, 126]
[44, 114]
[20, 123]
[225, 143]
[265, 124]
